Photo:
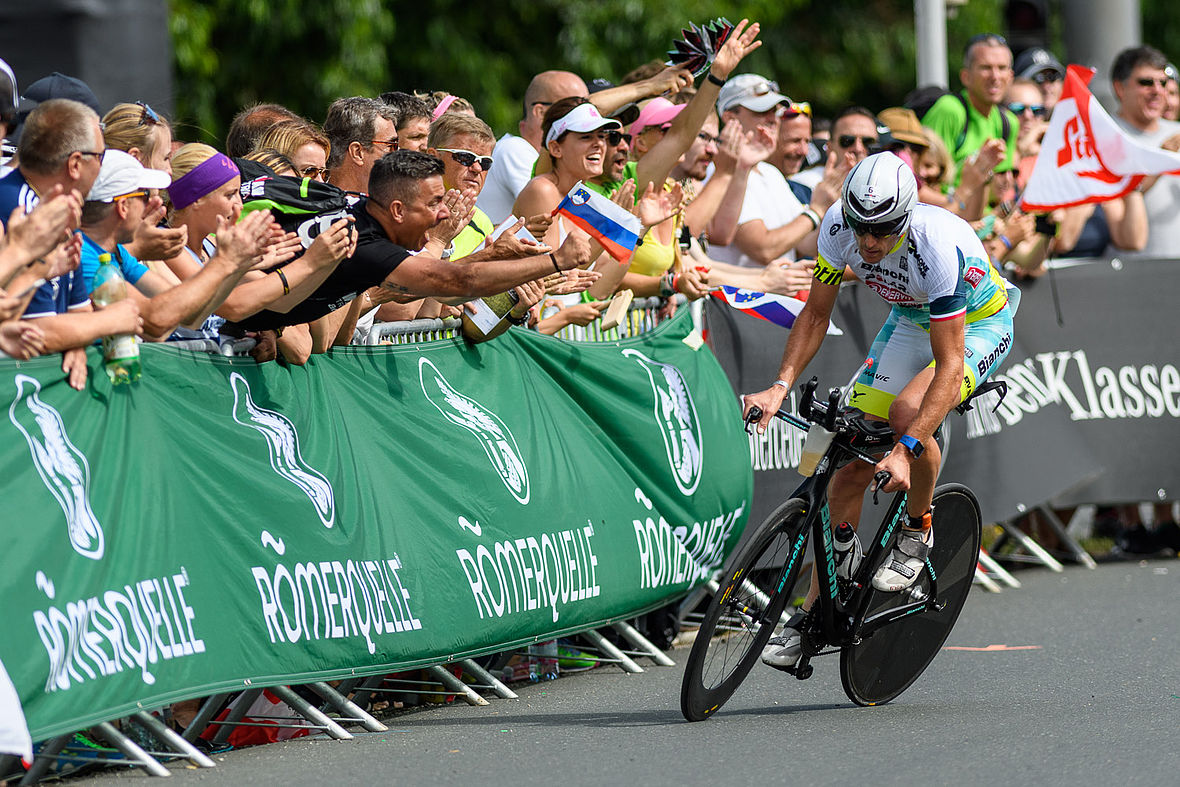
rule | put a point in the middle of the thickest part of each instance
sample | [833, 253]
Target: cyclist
[949, 329]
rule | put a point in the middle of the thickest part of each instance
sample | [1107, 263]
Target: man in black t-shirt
[405, 200]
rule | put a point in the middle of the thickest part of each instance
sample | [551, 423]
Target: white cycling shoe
[783, 650]
[905, 562]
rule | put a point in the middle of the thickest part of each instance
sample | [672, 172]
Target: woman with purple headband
[205, 197]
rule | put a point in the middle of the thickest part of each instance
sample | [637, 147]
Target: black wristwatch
[912, 443]
[515, 321]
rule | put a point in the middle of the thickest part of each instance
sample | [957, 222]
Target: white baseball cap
[582, 118]
[122, 174]
[755, 93]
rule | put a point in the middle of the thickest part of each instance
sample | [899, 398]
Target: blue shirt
[62, 294]
[132, 269]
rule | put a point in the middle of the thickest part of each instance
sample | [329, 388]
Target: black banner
[1092, 411]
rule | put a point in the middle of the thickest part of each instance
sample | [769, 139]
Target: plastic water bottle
[848, 552]
[120, 352]
[548, 660]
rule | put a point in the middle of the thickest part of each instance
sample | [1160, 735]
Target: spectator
[205, 197]
[360, 131]
[1045, 72]
[9, 105]
[61, 153]
[1024, 101]
[854, 134]
[1140, 86]
[442, 102]
[773, 222]
[968, 119]
[140, 131]
[413, 119]
[302, 143]
[514, 156]
[967, 200]
[250, 124]
[115, 207]
[1172, 106]
[465, 145]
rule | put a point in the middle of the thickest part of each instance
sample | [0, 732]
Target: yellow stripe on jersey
[826, 273]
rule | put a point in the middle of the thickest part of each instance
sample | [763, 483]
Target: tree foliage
[231, 53]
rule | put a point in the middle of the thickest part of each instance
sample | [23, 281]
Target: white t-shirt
[1163, 200]
[512, 168]
[769, 198]
[809, 177]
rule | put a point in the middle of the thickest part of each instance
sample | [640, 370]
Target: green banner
[222, 524]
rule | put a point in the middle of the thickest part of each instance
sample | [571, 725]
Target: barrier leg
[642, 643]
[1034, 549]
[8, 765]
[345, 705]
[170, 737]
[992, 567]
[454, 684]
[205, 714]
[1077, 550]
[235, 715]
[44, 759]
[488, 679]
[310, 712]
[982, 578]
[605, 646]
[130, 749]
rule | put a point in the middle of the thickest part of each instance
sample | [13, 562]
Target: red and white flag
[1085, 156]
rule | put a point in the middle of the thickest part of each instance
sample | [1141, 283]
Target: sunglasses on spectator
[794, 109]
[465, 158]
[312, 171]
[100, 154]
[148, 115]
[848, 140]
[764, 88]
[1149, 81]
[1047, 76]
[613, 138]
[390, 144]
[1038, 110]
[708, 138]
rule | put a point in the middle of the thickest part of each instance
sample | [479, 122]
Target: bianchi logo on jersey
[283, 442]
[676, 415]
[60, 464]
[493, 435]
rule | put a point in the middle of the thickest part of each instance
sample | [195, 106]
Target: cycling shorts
[902, 350]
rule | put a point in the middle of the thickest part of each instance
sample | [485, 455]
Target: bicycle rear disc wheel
[741, 616]
[887, 662]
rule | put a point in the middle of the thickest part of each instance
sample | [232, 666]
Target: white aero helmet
[879, 196]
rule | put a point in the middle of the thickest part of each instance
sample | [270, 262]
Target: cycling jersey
[937, 271]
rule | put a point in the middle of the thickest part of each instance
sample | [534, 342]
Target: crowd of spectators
[728, 175]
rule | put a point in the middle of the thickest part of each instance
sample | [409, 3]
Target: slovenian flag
[616, 229]
[778, 309]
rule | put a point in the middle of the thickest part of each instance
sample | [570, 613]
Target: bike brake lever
[753, 417]
[879, 480]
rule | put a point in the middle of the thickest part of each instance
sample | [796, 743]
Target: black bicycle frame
[840, 626]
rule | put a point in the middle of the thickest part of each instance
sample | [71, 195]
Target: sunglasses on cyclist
[848, 140]
[613, 138]
[465, 158]
[882, 229]
[1038, 110]
[148, 115]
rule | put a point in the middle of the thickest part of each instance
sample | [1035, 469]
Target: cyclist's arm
[807, 334]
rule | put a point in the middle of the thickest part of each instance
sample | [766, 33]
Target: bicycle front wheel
[886, 663]
[742, 615]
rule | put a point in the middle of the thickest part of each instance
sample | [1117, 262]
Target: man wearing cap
[61, 151]
[117, 203]
[968, 119]
[773, 222]
[1045, 70]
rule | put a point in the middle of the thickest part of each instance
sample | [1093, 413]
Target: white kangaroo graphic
[62, 466]
[283, 442]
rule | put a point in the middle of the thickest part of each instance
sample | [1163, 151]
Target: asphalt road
[1085, 690]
